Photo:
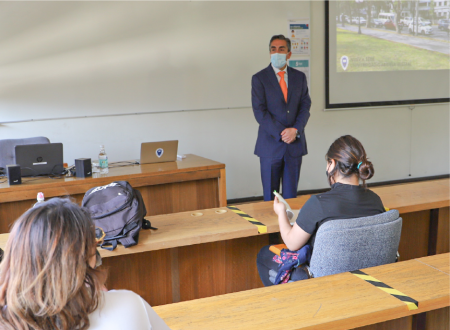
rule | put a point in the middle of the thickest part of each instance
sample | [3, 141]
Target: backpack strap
[128, 238]
[146, 224]
[110, 243]
[105, 245]
[124, 240]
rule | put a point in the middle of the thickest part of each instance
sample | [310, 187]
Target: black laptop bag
[119, 210]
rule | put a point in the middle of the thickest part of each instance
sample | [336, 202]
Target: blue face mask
[278, 60]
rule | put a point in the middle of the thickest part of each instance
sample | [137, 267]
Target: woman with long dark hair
[48, 278]
[347, 170]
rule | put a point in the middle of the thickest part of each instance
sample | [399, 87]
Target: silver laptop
[159, 152]
[40, 159]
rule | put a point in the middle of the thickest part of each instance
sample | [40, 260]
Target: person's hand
[289, 135]
[278, 207]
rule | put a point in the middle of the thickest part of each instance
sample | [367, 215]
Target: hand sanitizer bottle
[40, 199]
[103, 160]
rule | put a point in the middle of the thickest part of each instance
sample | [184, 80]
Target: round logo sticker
[344, 62]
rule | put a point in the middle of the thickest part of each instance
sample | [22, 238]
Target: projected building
[441, 8]
[427, 8]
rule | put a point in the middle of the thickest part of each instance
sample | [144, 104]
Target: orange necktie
[283, 84]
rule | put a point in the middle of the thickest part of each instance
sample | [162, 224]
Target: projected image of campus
[392, 35]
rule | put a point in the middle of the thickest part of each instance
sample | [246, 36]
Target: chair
[350, 244]
[7, 151]
[347, 245]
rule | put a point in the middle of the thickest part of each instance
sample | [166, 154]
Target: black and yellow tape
[262, 228]
[410, 302]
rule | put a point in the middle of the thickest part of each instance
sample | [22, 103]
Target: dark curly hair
[350, 158]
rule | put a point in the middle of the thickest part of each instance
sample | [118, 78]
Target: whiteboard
[62, 59]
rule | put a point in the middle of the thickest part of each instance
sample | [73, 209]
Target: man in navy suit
[281, 103]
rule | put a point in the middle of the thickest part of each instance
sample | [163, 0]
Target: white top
[285, 74]
[124, 309]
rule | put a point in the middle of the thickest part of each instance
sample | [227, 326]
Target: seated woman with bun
[48, 278]
[347, 170]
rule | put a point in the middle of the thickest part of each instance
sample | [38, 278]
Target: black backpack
[119, 210]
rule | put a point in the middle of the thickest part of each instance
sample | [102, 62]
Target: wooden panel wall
[414, 238]
[189, 272]
[443, 245]
[10, 211]
[221, 267]
[404, 323]
[158, 199]
[181, 196]
[435, 320]
[147, 274]
[438, 319]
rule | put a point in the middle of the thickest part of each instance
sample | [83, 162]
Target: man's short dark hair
[281, 37]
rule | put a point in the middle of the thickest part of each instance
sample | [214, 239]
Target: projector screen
[386, 53]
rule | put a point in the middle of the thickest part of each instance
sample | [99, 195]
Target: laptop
[158, 152]
[40, 159]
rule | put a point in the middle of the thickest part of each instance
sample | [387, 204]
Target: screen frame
[332, 106]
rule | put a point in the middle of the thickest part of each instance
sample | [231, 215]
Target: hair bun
[366, 170]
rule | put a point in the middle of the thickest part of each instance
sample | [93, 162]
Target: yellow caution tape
[410, 302]
[262, 228]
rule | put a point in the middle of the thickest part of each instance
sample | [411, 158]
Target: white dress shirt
[123, 310]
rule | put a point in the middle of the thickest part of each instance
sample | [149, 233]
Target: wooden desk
[191, 184]
[417, 196]
[439, 262]
[195, 257]
[212, 254]
[341, 301]
[188, 257]
[424, 207]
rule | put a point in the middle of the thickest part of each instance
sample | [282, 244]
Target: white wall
[400, 142]
[126, 57]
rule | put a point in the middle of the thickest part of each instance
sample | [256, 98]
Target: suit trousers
[286, 170]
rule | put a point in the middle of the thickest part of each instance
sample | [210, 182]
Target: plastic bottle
[40, 199]
[102, 158]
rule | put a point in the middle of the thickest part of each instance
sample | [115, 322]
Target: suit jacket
[274, 114]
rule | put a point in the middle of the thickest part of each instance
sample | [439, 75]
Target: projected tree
[345, 11]
[369, 7]
[359, 3]
[432, 13]
[397, 8]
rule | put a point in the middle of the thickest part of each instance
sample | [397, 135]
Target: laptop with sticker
[40, 159]
[159, 152]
